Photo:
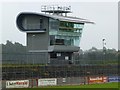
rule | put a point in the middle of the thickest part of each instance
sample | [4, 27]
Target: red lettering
[17, 82]
[21, 83]
[26, 83]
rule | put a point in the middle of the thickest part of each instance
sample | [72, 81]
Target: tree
[13, 53]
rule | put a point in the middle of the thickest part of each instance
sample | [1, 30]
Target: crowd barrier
[58, 81]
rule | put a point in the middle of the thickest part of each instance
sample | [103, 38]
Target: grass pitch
[104, 86]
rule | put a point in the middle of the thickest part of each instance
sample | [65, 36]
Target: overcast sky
[104, 14]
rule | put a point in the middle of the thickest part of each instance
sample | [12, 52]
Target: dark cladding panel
[31, 22]
[63, 48]
[37, 41]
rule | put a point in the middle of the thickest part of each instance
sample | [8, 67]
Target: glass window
[58, 54]
[64, 40]
[68, 33]
[53, 55]
[59, 42]
[80, 26]
[70, 26]
[66, 58]
[69, 40]
[52, 40]
[53, 24]
[41, 22]
[76, 41]
[36, 24]
[66, 24]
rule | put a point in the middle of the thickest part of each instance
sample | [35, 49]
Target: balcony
[63, 48]
[65, 33]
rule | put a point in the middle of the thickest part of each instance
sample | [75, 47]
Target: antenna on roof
[56, 9]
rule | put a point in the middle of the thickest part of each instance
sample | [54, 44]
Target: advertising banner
[97, 80]
[47, 82]
[114, 79]
[17, 84]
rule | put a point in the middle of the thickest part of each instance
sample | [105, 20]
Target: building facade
[53, 37]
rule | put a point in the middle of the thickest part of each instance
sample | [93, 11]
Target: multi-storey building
[53, 37]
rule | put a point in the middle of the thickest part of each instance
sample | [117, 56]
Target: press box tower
[53, 36]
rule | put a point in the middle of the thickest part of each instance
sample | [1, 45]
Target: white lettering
[97, 78]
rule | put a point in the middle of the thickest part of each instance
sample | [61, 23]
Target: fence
[30, 83]
[16, 72]
[34, 66]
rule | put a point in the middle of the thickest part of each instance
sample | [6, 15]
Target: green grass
[106, 86]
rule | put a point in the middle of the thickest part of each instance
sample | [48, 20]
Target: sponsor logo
[17, 84]
[114, 79]
[45, 82]
[97, 79]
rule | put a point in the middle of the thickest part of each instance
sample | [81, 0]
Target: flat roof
[59, 17]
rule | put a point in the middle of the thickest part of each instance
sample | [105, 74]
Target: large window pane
[53, 25]
[70, 26]
[64, 40]
[79, 26]
[69, 40]
[65, 33]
